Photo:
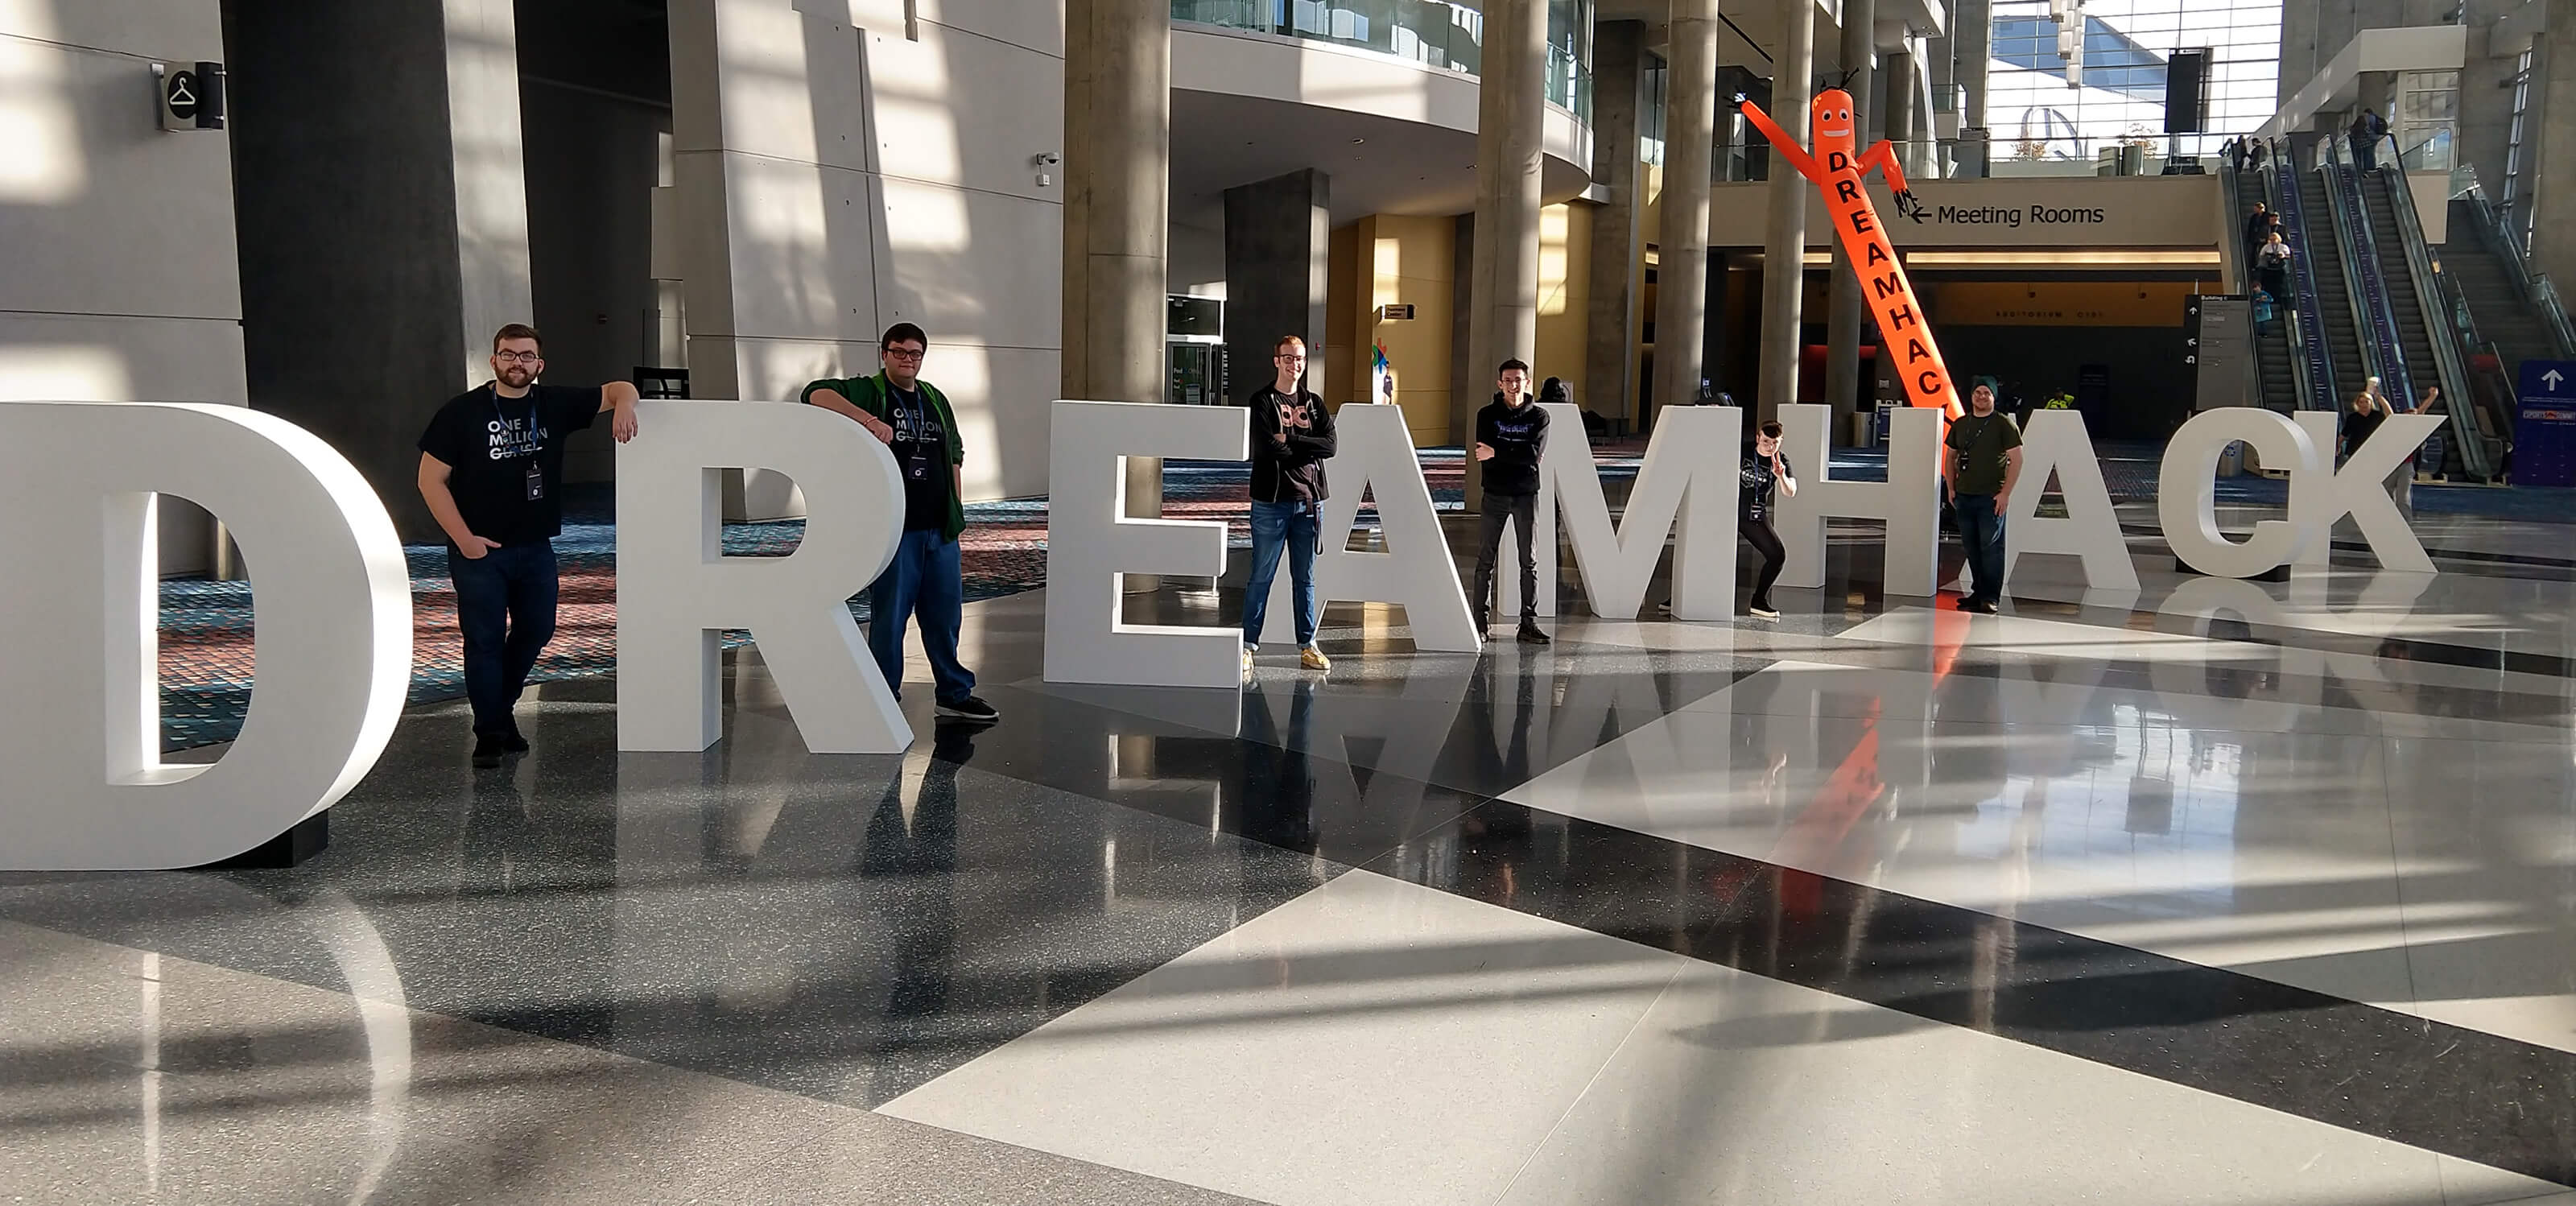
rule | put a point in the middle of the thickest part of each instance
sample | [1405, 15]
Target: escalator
[2474, 257]
[2385, 243]
[2275, 373]
[2313, 248]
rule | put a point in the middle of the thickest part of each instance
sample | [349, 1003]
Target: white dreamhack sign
[80, 729]
[1691, 477]
[2322, 493]
[1092, 545]
[1375, 457]
[1907, 501]
[2187, 491]
[677, 591]
[2057, 443]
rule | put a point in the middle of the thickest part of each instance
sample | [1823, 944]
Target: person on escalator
[2258, 228]
[2272, 264]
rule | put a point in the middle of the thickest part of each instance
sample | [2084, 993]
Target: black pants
[1758, 533]
[505, 606]
[1522, 511]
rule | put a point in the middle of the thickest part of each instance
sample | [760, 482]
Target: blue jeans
[1981, 533]
[505, 606]
[1295, 524]
[923, 580]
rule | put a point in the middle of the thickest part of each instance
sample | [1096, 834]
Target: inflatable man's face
[1832, 128]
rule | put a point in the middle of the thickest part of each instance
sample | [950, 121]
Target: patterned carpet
[206, 661]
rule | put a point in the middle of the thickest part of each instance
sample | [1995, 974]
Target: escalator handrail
[2382, 356]
[2450, 365]
[2314, 368]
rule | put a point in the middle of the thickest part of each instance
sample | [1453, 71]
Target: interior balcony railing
[1439, 33]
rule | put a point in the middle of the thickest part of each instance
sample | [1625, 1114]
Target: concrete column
[2553, 180]
[1278, 252]
[1900, 104]
[1843, 317]
[1609, 354]
[1511, 110]
[378, 181]
[1972, 32]
[1681, 270]
[1117, 170]
[1784, 249]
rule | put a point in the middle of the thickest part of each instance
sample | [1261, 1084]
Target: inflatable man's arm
[1787, 147]
[1883, 157]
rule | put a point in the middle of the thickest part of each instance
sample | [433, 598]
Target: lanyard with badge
[912, 418]
[536, 482]
[1968, 446]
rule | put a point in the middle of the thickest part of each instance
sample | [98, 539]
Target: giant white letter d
[80, 705]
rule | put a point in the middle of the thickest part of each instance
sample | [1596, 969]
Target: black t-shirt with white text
[490, 445]
[1753, 495]
[920, 448]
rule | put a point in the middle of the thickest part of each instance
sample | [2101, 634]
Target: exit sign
[1395, 313]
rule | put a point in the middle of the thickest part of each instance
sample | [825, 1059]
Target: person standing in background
[491, 470]
[2272, 265]
[1983, 462]
[1292, 437]
[1765, 470]
[1511, 435]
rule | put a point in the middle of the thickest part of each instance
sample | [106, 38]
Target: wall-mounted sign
[1395, 312]
[191, 95]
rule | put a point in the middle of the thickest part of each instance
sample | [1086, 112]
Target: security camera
[1048, 158]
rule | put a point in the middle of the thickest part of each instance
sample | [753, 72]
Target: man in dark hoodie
[1292, 436]
[1510, 434]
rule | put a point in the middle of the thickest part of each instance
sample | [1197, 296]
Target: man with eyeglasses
[925, 579]
[1292, 436]
[491, 470]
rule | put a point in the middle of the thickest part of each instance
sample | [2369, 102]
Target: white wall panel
[973, 267]
[149, 28]
[802, 249]
[102, 211]
[953, 108]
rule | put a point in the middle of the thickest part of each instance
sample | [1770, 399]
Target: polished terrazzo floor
[2215, 893]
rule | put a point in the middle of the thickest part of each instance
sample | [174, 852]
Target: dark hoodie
[1517, 435]
[1288, 462]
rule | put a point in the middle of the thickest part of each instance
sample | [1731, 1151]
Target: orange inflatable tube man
[1837, 172]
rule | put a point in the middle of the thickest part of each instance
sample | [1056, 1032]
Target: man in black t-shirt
[1511, 436]
[491, 470]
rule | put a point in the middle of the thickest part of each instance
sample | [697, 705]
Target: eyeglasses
[1292, 360]
[520, 357]
[905, 353]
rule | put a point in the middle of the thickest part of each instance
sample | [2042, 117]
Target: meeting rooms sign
[2076, 212]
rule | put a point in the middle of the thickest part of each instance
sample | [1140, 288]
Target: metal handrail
[2315, 368]
[2381, 355]
[2450, 364]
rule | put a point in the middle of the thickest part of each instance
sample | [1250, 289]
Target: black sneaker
[513, 743]
[970, 708]
[1977, 607]
[1530, 635]
[488, 750]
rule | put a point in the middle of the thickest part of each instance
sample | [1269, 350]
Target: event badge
[536, 481]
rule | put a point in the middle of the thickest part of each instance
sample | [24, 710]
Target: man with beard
[491, 470]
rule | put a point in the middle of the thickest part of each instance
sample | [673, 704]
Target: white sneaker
[1763, 613]
[1247, 661]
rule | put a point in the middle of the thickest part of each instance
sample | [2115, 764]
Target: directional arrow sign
[2552, 378]
[2544, 429]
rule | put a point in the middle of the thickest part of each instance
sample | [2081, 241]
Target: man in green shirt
[925, 578]
[1978, 468]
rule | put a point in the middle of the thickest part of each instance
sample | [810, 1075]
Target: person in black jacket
[1292, 435]
[1510, 435]
[1765, 471]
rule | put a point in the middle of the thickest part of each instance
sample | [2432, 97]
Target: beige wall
[1564, 295]
[1409, 260]
[2133, 211]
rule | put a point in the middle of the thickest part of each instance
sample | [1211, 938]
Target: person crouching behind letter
[925, 579]
[1765, 470]
[1511, 433]
[1292, 436]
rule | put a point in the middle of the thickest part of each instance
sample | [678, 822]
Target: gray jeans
[1522, 511]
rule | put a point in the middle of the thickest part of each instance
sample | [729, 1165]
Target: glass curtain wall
[2118, 96]
[1447, 34]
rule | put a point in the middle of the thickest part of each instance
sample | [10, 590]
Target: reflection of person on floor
[1494, 840]
[1765, 471]
[1292, 437]
[925, 579]
[1983, 462]
[1511, 435]
[491, 470]
[914, 852]
[1278, 781]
